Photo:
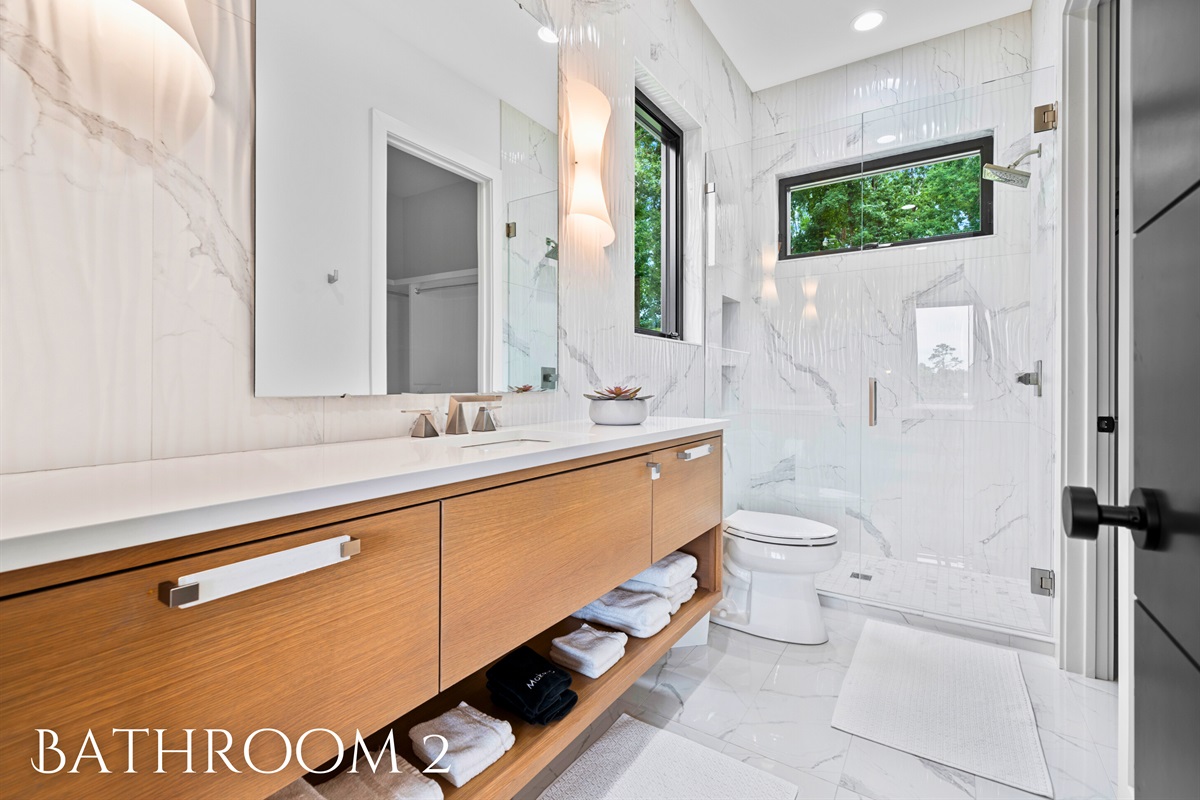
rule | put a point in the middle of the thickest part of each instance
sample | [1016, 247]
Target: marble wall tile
[931, 484]
[876, 82]
[998, 49]
[996, 484]
[156, 274]
[935, 66]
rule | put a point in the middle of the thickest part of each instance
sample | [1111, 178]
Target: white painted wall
[437, 233]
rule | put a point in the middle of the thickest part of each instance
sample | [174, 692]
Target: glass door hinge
[1045, 118]
[1041, 581]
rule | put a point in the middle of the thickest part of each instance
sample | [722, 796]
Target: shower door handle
[1083, 515]
[872, 402]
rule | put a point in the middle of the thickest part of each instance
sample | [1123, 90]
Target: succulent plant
[618, 393]
[521, 389]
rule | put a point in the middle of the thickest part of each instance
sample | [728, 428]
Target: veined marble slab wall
[126, 274]
[954, 481]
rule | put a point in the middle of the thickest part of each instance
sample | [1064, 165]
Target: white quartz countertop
[60, 514]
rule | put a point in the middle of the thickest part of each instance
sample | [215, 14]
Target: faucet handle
[485, 420]
[423, 427]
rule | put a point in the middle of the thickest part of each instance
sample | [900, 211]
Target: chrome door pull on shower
[872, 402]
[693, 453]
[241, 576]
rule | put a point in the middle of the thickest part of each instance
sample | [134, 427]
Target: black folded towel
[528, 684]
[558, 709]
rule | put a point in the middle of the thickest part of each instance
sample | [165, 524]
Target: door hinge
[510, 229]
[1041, 581]
[1106, 424]
[1045, 118]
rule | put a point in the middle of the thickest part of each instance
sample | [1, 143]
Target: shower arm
[1037, 151]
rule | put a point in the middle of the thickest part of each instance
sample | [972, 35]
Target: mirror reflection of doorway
[433, 277]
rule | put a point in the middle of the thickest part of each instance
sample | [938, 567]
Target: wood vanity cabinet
[517, 559]
[447, 580]
[687, 494]
[351, 645]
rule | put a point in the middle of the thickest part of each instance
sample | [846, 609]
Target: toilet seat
[780, 529]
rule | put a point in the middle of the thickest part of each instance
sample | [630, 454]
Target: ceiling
[776, 41]
[408, 175]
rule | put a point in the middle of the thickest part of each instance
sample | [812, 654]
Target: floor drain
[860, 576]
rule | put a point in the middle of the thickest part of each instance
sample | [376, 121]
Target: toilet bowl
[771, 564]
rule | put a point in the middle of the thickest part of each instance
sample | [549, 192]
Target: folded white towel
[686, 586]
[407, 783]
[669, 570]
[678, 600]
[640, 615]
[474, 742]
[298, 789]
[588, 651]
[591, 667]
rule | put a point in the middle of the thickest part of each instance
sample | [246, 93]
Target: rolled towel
[640, 615]
[591, 667]
[407, 783]
[298, 789]
[669, 570]
[686, 586]
[474, 742]
[528, 684]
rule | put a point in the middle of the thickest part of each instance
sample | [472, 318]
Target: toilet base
[780, 607]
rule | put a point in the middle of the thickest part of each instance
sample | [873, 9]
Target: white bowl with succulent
[618, 405]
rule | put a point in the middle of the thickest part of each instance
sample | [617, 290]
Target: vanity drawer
[687, 494]
[352, 644]
[517, 559]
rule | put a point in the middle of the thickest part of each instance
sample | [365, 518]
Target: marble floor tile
[770, 704]
[883, 773]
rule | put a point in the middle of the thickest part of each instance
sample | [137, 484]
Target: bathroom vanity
[154, 596]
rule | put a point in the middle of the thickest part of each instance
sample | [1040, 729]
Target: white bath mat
[636, 761]
[959, 703]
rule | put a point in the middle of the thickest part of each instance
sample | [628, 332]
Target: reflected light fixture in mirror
[548, 36]
[868, 21]
[174, 15]
[589, 112]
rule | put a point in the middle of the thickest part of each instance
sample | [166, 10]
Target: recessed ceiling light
[908, 207]
[868, 20]
[550, 37]
[887, 138]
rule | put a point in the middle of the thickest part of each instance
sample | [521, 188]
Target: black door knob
[1083, 515]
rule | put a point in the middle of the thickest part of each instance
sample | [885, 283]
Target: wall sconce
[590, 111]
[174, 14]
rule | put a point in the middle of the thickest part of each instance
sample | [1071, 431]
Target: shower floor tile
[936, 589]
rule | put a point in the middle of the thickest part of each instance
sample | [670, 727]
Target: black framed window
[920, 196]
[657, 221]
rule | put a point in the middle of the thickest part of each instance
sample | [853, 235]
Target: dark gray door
[1165, 84]
[1164, 510]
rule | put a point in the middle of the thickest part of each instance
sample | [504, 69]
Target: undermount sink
[501, 441]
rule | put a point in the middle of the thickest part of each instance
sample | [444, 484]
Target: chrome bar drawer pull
[696, 452]
[213, 584]
[655, 470]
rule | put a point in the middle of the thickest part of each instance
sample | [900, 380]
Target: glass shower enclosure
[875, 389]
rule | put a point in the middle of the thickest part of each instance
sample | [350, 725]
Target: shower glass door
[531, 292]
[939, 482]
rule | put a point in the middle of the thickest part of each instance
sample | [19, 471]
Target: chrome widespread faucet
[456, 420]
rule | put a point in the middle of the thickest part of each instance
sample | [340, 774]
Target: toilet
[771, 565]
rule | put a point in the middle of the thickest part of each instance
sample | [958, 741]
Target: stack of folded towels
[588, 651]
[672, 578]
[474, 741]
[405, 783]
[531, 687]
[642, 606]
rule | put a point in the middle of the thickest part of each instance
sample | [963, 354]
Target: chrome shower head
[1012, 177]
[1010, 174]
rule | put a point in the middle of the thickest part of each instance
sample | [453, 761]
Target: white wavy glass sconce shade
[590, 112]
[174, 14]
